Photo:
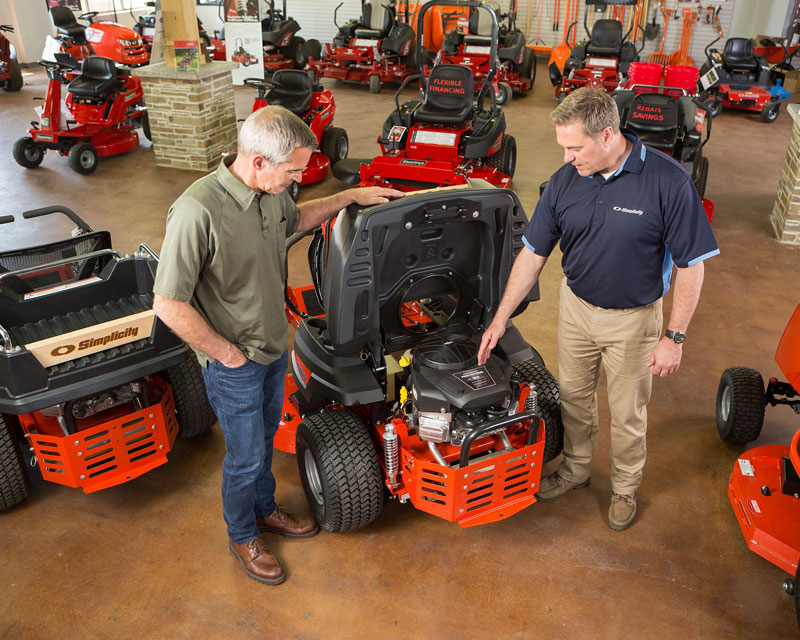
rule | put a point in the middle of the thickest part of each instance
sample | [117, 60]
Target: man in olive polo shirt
[220, 285]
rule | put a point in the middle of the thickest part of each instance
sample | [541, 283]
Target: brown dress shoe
[285, 524]
[257, 562]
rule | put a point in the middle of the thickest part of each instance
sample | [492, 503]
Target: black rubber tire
[532, 372]
[294, 191]
[146, 126]
[527, 68]
[740, 405]
[797, 595]
[14, 83]
[193, 410]
[410, 60]
[339, 467]
[504, 92]
[83, 158]
[27, 153]
[205, 38]
[374, 83]
[505, 158]
[714, 106]
[702, 177]
[771, 111]
[14, 481]
[313, 49]
[296, 52]
[779, 71]
[335, 144]
[561, 95]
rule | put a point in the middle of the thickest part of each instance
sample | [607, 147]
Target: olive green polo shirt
[223, 253]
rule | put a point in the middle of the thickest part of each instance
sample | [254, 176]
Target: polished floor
[149, 559]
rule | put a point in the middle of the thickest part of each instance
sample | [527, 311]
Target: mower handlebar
[35, 213]
[6, 27]
[6, 219]
[88, 16]
[497, 425]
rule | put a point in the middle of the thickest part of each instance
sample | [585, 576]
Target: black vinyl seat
[292, 91]
[738, 55]
[66, 24]
[606, 39]
[448, 96]
[98, 78]
[377, 21]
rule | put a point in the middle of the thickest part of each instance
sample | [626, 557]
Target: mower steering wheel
[257, 83]
[88, 16]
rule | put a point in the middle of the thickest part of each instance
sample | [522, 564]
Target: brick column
[192, 114]
[785, 216]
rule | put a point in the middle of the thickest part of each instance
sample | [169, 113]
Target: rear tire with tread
[532, 372]
[505, 158]
[28, 153]
[335, 144]
[740, 405]
[83, 158]
[527, 68]
[194, 412]
[14, 83]
[702, 177]
[14, 481]
[374, 83]
[339, 467]
[771, 111]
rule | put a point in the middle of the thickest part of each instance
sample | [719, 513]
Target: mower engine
[451, 395]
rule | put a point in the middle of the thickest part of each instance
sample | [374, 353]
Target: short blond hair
[593, 108]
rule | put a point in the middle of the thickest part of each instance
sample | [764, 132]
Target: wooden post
[180, 23]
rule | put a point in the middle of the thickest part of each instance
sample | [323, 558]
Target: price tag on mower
[484, 51]
[746, 467]
[425, 136]
[709, 79]
[362, 42]
[610, 63]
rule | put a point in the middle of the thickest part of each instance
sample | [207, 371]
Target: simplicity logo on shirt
[637, 212]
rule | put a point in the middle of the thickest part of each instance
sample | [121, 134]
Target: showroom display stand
[192, 115]
[785, 216]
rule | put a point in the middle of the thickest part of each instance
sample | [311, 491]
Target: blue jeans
[248, 402]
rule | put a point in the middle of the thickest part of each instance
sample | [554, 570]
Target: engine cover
[446, 376]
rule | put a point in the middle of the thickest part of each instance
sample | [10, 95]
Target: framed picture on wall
[72, 4]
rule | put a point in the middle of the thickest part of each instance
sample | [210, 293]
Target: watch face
[676, 336]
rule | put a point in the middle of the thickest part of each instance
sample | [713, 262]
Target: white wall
[753, 17]
[31, 24]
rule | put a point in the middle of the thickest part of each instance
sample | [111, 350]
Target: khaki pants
[622, 340]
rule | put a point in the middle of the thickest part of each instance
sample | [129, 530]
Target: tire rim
[31, 153]
[312, 475]
[343, 148]
[86, 159]
[725, 404]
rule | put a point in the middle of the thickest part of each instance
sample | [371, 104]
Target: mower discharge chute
[92, 383]
[444, 139]
[516, 64]
[374, 49]
[301, 93]
[385, 393]
[107, 39]
[764, 488]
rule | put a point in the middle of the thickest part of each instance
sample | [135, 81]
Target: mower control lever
[43, 211]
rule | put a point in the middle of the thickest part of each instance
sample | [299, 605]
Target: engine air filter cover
[446, 353]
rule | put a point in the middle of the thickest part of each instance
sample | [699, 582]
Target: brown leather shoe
[257, 562]
[285, 524]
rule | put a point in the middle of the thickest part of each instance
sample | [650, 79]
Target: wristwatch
[676, 336]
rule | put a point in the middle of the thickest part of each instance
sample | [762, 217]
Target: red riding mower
[10, 73]
[764, 488]
[385, 393]
[91, 382]
[242, 55]
[737, 79]
[106, 39]
[444, 139]
[105, 104]
[671, 122]
[601, 61]
[301, 94]
[375, 49]
[516, 64]
[282, 48]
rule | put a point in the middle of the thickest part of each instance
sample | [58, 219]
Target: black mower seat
[98, 78]
[278, 31]
[66, 24]
[738, 55]
[606, 39]
[377, 20]
[448, 96]
[292, 91]
[655, 118]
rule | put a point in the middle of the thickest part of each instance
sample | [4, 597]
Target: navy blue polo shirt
[621, 236]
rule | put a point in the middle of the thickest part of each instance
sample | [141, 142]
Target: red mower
[301, 94]
[105, 105]
[764, 488]
[10, 73]
[516, 64]
[375, 49]
[241, 55]
[602, 61]
[385, 396]
[105, 39]
[445, 138]
[738, 79]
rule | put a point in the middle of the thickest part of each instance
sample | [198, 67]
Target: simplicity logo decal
[637, 212]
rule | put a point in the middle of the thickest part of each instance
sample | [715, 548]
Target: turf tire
[14, 83]
[83, 158]
[740, 405]
[27, 153]
[14, 481]
[335, 144]
[702, 177]
[194, 412]
[532, 372]
[505, 158]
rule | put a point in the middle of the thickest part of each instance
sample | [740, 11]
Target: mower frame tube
[489, 427]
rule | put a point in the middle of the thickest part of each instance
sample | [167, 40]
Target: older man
[624, 214]
[220, 285]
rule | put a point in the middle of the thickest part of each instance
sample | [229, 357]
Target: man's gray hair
[274, 132]
[593, 108]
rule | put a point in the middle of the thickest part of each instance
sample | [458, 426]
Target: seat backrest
[98, 68]
[378, 17]
[292, 81]
[738, 48]
[63, 18]
[606, 34]
[480, 22]
[450, 87]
